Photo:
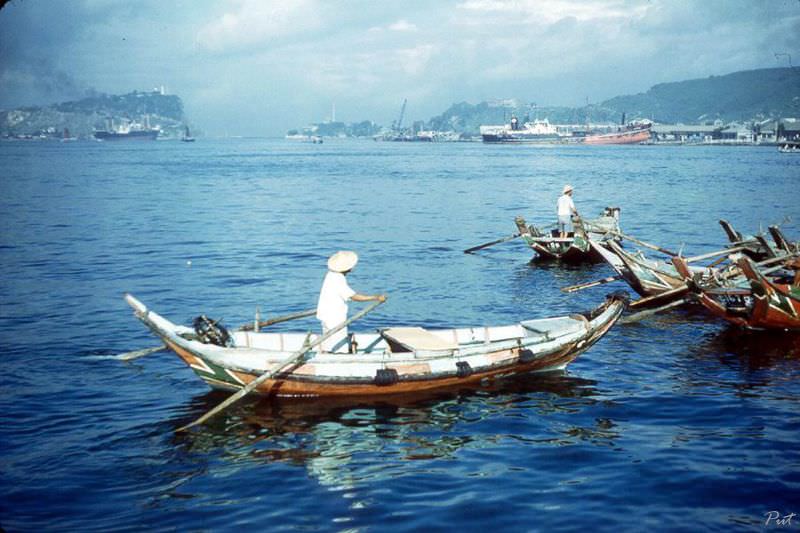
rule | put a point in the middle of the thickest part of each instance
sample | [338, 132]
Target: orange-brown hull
[623, 137]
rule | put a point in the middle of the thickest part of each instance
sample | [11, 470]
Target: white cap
[567, 188]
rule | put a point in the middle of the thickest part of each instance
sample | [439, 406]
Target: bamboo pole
[292, 359]
[709, 255]
[645, 244]
[279, 319]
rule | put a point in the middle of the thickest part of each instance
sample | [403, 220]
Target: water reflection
[750, 350]
[343, 442]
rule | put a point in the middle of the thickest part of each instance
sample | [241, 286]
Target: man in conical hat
[333, 298]
[565, 208]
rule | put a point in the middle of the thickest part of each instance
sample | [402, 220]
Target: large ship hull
[143, 135]
[621, 137]
[519, 138]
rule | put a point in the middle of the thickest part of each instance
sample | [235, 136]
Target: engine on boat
[211, 331]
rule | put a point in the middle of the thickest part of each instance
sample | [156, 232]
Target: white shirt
[565, 205]
[333, 297]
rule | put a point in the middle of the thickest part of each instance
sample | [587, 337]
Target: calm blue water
[676, 423]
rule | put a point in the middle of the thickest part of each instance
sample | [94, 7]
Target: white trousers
[337, 343]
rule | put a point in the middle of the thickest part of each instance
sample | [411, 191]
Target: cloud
[402, 25]
[253, 23]
[550, 12]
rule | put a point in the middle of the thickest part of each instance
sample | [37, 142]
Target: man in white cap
[565, 208]
[333, 298]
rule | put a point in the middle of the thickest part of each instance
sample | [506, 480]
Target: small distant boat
[538, 131]
[187, 137]
[630, 134]
[67, 137]
[392, 361]
[575, 247]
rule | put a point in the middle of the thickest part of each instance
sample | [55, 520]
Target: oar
[292, 359]
[672, 292]
[486, 245]
[636, 317]
[129, 356]
[645, 244]
[279, 319]
[574, 288]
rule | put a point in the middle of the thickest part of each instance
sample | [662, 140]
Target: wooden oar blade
[129, 356]
[636, 317]
[575, 288]
[666, 294]
[486, 245]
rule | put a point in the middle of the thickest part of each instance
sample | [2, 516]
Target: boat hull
[622, 137]
[765, 304]
[576, 247]
[144, 135]
[572, 250]
[377, 370]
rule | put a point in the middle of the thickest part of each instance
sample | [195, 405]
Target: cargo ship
[132, 131]
[135, 135]
[538, 131]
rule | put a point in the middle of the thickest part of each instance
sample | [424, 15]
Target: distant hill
[82, 117]
[747, 95]
[742, 96]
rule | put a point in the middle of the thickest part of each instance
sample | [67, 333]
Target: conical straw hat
[342, 261]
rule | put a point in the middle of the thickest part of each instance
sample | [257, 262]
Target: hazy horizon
[247, 67]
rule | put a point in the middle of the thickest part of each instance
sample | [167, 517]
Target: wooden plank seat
[414, 339]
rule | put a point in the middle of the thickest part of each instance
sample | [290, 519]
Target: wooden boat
[752, 301]
[391, 361]
[647, 277]
[574, 248]
[757, 247]
[661, 282]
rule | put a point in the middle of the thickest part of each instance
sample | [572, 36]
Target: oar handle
[233, 398]
[279, 319]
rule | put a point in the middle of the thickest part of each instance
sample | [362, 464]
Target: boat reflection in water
[327, 436]
[748, 351]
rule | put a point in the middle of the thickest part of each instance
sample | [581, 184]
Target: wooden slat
[418, 339]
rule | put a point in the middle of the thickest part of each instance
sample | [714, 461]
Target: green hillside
[741, 96]
[82, 117]
[747, 95]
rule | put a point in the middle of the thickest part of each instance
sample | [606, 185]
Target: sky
[261, 67]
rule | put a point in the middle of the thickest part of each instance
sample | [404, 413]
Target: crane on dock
[397, 126]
